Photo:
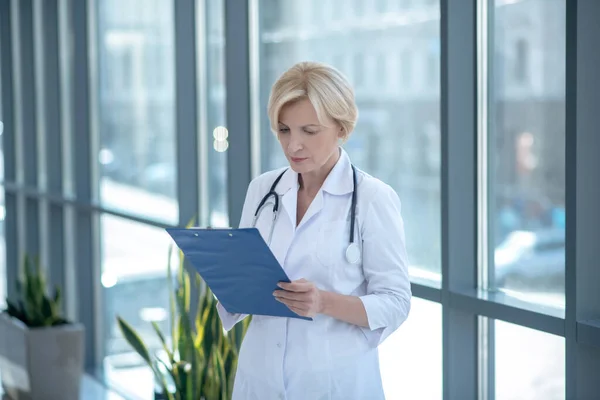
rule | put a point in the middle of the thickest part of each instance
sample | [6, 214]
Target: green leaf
[134, 340]
[190, 384]
[161, 378]
[187, 334]
[181, 345]
[222, 379]
[23, 308]
[163, 341]
[230, 370]
[39, 285]
[16, 311]
[182, 371]
[19, 287]
[48, 313]
[201, 319]
[208, 339]
[56, 302]
[172, 308]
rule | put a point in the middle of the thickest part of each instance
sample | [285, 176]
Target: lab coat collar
[338, 182]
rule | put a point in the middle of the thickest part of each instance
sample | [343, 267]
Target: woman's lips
[297, 160]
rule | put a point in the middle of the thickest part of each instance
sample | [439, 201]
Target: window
[391, 130]
[136, 116]
[433, 76]
[411, 358]
[358, 74]
[381, 69]
[134, 284]
[137, 168]
[406, 68]
[527, 155]
[217, 141]
[382, 6]
[521, 61]
[529, 364]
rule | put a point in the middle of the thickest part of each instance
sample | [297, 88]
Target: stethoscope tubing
[352, 252]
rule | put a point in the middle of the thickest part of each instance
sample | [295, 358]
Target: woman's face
[308, 145]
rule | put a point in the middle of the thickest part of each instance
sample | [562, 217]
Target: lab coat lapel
[290, 204]
[315, 206]
[283, 235]
[289, 200]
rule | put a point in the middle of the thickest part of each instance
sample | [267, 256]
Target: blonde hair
[324, 86]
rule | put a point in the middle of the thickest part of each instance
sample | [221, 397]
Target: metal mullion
[515, 313]
[86, 224]
[7, 87]
[459, 195]
[66, 143]
[70, 201]
[202, 112]
[485, 158]
[571, 345]
[49, 136]
[9, 137]
[26, 82]
[588, 333]
[186, 130]
[426, 292]
[257, 114]
[239, 122]
[582, 196]
[40, 131]
[186, 117]
[19, 206]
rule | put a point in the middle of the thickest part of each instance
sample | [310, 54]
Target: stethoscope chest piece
[353, 253]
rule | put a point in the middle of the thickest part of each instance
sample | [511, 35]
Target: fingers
[284, 294]
[295, 305]
[301, 285]
[302, 311]
[298, 311]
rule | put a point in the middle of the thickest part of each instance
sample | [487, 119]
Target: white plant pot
[41, 363]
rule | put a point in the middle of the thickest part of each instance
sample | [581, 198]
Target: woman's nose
[295, 144]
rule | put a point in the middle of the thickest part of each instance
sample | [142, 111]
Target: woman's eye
[310, 132]
[284, 130]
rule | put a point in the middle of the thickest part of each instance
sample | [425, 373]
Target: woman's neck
[311, 182]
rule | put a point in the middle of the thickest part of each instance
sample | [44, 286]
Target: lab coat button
[279, 345]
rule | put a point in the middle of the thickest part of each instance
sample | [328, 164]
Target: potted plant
[41, 352]
[201, 359]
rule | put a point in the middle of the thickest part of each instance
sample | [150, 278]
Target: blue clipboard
[238, 266]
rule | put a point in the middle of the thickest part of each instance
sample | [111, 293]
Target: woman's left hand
[301, 296]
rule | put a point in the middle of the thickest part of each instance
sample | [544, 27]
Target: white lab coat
[326, 359]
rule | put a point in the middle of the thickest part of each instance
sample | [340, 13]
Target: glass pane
[527, 149]
[217, 138]
[530, 365]
[134, 283]
[411, 358]
[136, 108]
[397, 137]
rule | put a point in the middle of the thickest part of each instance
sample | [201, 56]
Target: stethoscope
[352, 251]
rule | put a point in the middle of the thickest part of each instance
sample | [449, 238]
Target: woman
[356, 300]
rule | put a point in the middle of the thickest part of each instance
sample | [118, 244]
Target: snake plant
[34, 305]
[201, 359]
